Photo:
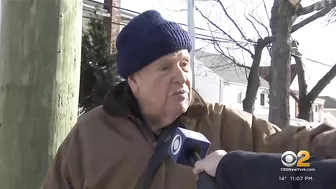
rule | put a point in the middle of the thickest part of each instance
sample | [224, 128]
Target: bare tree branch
[322, 83]
[255, 28]
[268, 17]
[301, 73]
[312, 18]
[307, 20]
[216, 67]
[304, 103]
[253, 75]
[262, 24]
[234, 23]
[220, 50]
[253, 81]
[212, 39]
[317, 6]
[293, 95]
[228, 35]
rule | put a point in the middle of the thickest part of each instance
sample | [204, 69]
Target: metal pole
[191, 30]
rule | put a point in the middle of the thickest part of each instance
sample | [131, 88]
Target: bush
[98, 67]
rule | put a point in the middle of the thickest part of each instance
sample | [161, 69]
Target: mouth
[180, 92]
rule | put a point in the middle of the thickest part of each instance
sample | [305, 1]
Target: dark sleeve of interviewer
[241, 170]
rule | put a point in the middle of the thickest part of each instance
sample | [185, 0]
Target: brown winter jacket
[109, 147]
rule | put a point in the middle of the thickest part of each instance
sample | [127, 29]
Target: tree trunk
[281, 23]
[305, 107]
[39, 84]
[306, 99]
[253, 78]
[304, 103]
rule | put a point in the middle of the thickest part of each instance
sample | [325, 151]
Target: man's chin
[177, 108]
[181, 108]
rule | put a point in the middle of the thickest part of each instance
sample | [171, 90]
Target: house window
[316, 108]
[239, 97]
[262, 99]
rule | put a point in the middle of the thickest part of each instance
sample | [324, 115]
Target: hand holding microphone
[210, 163]
[187, 148]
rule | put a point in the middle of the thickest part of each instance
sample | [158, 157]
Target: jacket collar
[120, 102]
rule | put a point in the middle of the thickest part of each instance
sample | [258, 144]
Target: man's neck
[155, 123]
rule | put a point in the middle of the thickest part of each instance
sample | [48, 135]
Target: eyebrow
[179, 55]
[176, 55]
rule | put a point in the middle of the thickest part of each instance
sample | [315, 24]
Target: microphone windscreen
[185, 143]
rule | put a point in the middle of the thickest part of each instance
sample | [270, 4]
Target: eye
[185, 65]
[164, 68]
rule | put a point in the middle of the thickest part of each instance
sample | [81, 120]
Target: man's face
[164, 86]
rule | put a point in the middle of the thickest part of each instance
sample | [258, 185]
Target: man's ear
[133, 82]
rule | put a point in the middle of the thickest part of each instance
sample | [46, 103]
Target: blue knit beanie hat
[146, 38]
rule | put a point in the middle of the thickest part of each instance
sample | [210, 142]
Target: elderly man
[110, 146]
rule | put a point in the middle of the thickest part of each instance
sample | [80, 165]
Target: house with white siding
[220, 80]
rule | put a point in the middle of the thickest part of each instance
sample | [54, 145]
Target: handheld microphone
[186, 148]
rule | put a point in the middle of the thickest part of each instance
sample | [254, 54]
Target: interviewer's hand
[209, 163]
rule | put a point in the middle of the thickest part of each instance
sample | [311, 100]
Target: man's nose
[179, 75]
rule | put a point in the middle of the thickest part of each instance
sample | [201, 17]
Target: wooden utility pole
[40, 46]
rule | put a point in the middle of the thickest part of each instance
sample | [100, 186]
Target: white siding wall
[234, 95]
[210, 86]
[262, 104]
[318, 110]
[292, 107]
